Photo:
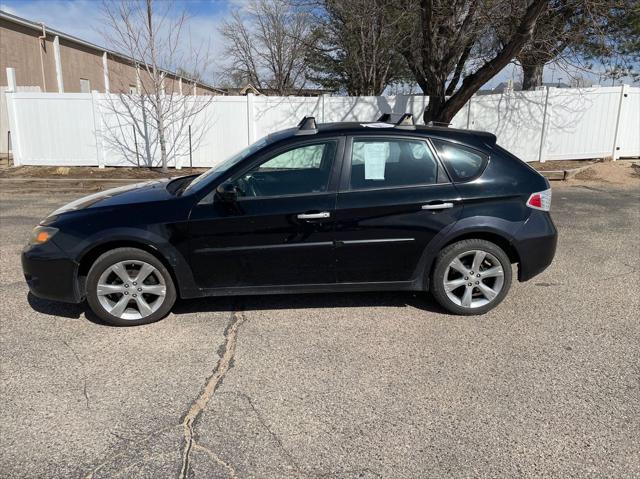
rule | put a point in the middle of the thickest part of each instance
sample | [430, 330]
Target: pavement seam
[212, 383]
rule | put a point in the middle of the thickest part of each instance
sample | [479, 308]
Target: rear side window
[463, 163]
[380, 163]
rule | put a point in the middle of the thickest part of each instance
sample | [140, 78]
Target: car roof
[367, 128]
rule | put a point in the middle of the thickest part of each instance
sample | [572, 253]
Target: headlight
[42, 234]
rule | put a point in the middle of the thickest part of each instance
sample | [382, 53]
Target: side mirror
[227, 192]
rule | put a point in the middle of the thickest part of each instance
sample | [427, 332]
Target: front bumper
[50, 274]
[535, 243]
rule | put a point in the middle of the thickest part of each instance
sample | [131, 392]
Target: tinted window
[307, 157]
[379, 163]
[228, 163]
[301, 170]
[463, 163]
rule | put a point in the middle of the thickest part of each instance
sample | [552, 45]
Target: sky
[64, 15]
[82, 18]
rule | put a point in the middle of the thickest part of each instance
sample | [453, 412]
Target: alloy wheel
[131, 289]
[473, 279]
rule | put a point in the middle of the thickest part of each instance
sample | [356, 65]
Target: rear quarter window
[462, 163]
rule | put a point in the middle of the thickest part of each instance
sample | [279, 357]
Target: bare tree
[267, 44]
[356, 51]
[446, 40]
[158, 110]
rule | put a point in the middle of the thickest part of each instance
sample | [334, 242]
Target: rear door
[394, 198]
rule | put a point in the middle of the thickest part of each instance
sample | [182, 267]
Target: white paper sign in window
[375, 157]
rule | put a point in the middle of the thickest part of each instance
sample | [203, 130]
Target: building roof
[37, 26]
[249, 88]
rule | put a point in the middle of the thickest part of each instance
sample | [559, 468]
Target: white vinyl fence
[75, 129]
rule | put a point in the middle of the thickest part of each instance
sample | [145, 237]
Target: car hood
[145, 192]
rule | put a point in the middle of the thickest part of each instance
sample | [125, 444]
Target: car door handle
[314, 216]
[438, 206]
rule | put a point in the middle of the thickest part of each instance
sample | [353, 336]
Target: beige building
[47, 60]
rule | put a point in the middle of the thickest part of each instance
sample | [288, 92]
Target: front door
[280, 229]
[393, 199]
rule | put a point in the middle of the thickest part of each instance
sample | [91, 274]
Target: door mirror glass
[227, 192]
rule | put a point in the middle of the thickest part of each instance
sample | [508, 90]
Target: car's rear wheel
[128, 286]
[471, 277]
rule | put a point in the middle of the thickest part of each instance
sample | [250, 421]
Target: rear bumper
[535, 243]
[50, 274]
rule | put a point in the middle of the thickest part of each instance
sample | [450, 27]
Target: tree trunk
[531, 74]
[163, 144]
[434, 107]
[443, 110]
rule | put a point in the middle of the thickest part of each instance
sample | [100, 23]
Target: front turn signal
[42, 234]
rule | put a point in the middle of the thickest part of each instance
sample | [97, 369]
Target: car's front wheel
[471, 277]
[128, 286]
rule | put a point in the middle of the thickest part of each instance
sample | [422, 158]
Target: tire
[138, 301]
[454, 265]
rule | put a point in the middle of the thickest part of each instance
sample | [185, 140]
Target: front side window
[227, 164]
[380, 163]
[463, 163]
[301, 170]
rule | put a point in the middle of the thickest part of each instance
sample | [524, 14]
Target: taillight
[540, 200]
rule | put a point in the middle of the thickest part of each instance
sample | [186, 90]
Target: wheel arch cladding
[500, 240]
[493, 237]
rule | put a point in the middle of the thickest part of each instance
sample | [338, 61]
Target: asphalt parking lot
[344, 385]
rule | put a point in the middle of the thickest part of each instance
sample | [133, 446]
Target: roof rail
[438, 123]
[404, 119]
[307, 126]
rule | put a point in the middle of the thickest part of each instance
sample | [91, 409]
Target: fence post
[615, 152]
[250, 119]
[12, 115]
[324, 99]
[190, 152]
[469, 112]
[543, 133]
[99, 130]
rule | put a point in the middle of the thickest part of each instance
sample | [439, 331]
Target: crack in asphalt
[275, 437]
[214, 380]
[84, 372]
[140, 441]
[215, 457]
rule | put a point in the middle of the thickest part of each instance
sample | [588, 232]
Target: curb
[67, 185]
[77, 180]
[563, 175]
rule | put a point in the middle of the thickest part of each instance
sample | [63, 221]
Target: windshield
[225, 165]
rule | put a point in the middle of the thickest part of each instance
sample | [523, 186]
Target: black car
[317, 208]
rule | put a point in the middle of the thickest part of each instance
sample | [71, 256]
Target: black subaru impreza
[317, 208]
